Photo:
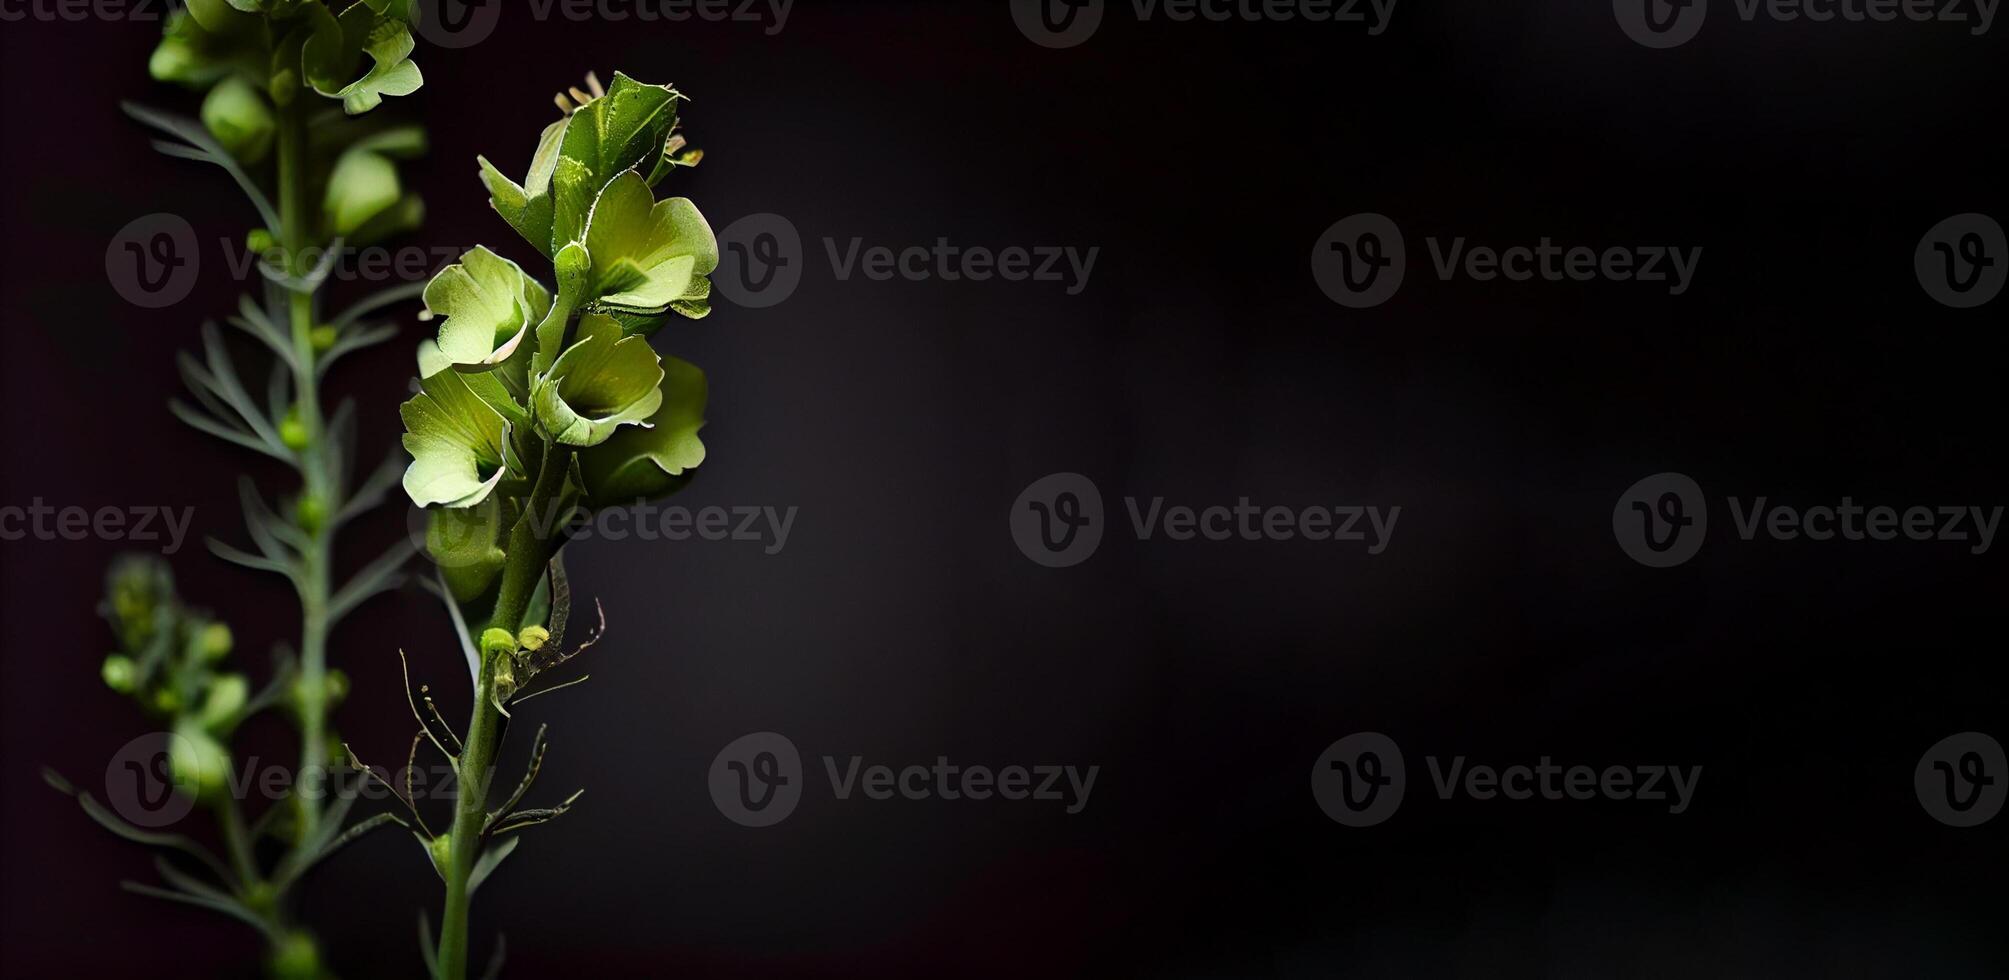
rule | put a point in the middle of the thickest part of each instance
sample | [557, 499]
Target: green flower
[649, 256]
[655, 458]
[459, 444]
[602, 382]
[630, 126]
[334, 52]
[490, 306]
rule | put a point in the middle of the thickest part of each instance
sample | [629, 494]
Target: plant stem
[294, 204]
[532, 543]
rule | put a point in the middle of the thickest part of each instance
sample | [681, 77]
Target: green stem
[294, 217]
[532, 543]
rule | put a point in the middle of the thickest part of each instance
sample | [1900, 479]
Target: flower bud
[497, 642]
[236, 114]
[199, 763]
[323, 337]
[292, 431]
[533, 637]
[215, 642]
[120, 673]
[227, 695]
[309, 512]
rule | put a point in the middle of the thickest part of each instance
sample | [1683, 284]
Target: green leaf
[467, 546]
[627, 128]
[335, 53]
[602, 382]
[490, 306]
[457, 444]
[647, 255]
[654, 459]
[362, 186]
[486, 864]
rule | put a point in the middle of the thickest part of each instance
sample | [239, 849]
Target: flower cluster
[524, 379]
[251, 56]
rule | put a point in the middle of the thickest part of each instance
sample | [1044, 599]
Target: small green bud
[236, 114]
[227, 695]
[120, 673]
[295, 957]
[440, 849]
[323, 337]
[260, 240]
[285, 85]
[497, 642]
[309, 512]
[167, 702]
[215, 642]
[533, 637]
[292, 431]
[200, 765]
[338, 687]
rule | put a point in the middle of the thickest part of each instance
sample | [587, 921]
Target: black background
[1202, 364]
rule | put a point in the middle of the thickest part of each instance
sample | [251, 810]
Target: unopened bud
[120, 673]
[533, 637]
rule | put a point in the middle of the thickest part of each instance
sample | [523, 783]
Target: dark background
[1202, 364]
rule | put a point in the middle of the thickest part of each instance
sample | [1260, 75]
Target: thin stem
[295, 201]
[531, 545]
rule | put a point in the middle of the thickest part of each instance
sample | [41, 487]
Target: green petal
[602, 382]
[456, 442]
[467, 545]
[335, 53]
[648, 255]
[490, 305]
[528, 207]
[362, 186]
[625, 129]
[640, 462]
